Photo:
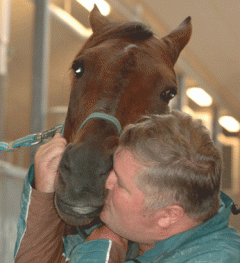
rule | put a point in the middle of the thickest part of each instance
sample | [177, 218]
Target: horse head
[122, 71]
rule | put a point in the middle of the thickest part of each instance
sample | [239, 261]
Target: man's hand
[103, 232]
[46, 163]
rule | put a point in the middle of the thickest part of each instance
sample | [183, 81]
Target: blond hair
[181, 163]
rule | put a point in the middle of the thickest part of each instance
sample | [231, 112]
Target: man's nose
[111, 181]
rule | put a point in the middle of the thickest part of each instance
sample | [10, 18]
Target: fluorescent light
[102, 5]
[229, 123]
[198, 95]
[70, 21]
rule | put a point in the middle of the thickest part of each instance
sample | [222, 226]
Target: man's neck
[180, 226]
[144, 248]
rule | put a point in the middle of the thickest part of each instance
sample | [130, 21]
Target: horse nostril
[65, 161]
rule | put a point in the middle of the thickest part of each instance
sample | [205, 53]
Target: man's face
[123, 212]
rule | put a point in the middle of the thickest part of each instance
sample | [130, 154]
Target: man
[163, 203]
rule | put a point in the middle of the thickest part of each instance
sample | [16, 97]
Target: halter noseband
[103, 116]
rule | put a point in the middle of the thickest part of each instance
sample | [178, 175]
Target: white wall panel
[10, 195]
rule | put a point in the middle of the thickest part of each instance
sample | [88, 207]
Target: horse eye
[168, 94]
[78, 68]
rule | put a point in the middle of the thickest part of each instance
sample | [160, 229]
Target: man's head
[167, 161]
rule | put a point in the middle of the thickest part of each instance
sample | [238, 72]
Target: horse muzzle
[76, 215]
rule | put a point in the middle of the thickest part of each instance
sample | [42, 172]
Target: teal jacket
[212, 241]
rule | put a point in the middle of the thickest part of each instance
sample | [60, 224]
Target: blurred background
[38, 41]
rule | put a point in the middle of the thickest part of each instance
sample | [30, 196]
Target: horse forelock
[134, 31]
[131, 30]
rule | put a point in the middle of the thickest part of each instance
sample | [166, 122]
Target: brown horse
[122, 71]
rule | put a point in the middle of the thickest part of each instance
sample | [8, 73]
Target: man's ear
[169, 215]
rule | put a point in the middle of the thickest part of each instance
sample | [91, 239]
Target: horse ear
[178, 39]
[97, 20]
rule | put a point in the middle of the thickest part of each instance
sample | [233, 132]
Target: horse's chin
[74, 215]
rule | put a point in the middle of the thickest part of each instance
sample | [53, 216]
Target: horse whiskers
[84, 210]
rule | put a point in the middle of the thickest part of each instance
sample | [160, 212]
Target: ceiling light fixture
[102, 5]
[229, 123]
[70, 21]
[198, 95]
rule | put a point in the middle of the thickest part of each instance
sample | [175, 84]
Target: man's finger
[57, 135]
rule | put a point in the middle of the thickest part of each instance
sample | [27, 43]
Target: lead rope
[31, 139]
[37, 138]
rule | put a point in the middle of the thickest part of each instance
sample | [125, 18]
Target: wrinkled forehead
[127, 155]
[126, 165]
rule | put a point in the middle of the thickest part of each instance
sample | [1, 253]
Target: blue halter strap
[103, 116]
